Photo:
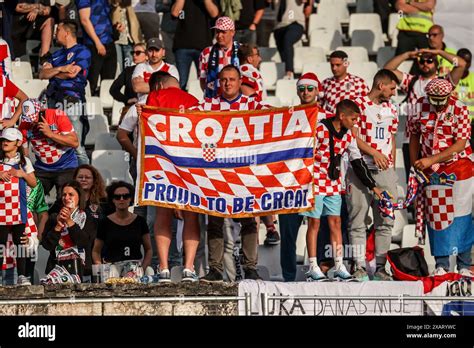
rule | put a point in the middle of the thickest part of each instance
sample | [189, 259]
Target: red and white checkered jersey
[323, 185]
[377, 123]
[417, 92]
[336, 90]
[252, 77]
[9, 260]
[48, 151]
[450, 125]
[144, 70]
[225, 58]
[241, 103]
[8, 91]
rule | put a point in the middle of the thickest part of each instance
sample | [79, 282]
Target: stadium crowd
[147, 48]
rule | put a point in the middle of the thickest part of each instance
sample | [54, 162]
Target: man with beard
[414, 85]
[376, 128]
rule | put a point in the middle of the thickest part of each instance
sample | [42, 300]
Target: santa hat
[309, 79]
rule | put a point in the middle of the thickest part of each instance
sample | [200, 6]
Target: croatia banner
[238, 164]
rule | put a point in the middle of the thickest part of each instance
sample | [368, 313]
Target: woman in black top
[122, 233]
[72, 227]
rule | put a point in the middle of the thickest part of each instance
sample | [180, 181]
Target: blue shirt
[100, 18]
[75, 87]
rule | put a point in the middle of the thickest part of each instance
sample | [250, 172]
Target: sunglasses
[425, 60]
[122, 196]
[137, 53]
[303, 88]
[433, 34]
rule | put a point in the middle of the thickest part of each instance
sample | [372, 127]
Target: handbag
[408, 262]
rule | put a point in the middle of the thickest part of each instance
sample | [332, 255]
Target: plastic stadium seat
[94, 106]
[356, 54]
[98, 124]
[327, 39]
[263, 272]
[365, 70]
[369, 21]
[194, 88]
[267, 53]
[21, 70]
[116, 112]
[322, 70]
[323, 21]
[393, 19]
[269, 257]
[88, 90]
[406, 66]
[268, 70]
[301, 242]
[286, 91]
[367, 38]
[384, 54]
[401, 219]
[365, 6]
[42, 256]
[105, 96]
[115, 161]
[335, 8]
[32, 88]
[301, 273]
[30, 45]
[308, 55]
[273, 101]
[106, 141]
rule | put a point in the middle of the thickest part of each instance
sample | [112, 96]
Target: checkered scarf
[213, 69]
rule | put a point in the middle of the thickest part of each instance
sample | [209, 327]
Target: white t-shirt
[145, 70]
[28, 168]
[130, 123]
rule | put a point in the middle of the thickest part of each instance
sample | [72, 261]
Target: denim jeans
[8, 276]
[285, 38]
[463, 260]
[184, 58]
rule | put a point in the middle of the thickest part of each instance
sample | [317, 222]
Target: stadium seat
[365, 70]
[273, 101]
[355, 54]
[393, 19]
[406, 66]
[384, 54]
[323, 21]
[368, 39]
[327, 39]
[32, 88]
[269, 256]
[365, 6]
[115, 161]
[105, 96]
[286, 91]
[116, 112]
[21, 70]
[307, 55]
[94, 106]
[42, 256]
[335, 8]
[106, 141]
[194, 88]
[322, 70]
[301, 242]
[401, 219]
[263, 272]
[267, 53]
[98, 124]
[369, 21]
[400, 164]
[88, 90]
[268, 70]
[301, 273]
[193, 74]
[30, 45]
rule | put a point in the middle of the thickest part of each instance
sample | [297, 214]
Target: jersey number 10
[379, 133]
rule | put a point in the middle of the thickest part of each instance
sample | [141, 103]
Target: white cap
[11, 134]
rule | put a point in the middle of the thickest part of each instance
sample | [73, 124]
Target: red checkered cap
[224, 24]
[439, 88]
[309, 79]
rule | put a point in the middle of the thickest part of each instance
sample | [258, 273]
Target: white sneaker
[340, 274]
[315, 275]
[466, 273]
[164, 276]
[22, 280]
[439, 271]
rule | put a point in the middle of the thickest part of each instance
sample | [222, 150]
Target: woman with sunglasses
[71, 231]
[122, 234]
[128, 97]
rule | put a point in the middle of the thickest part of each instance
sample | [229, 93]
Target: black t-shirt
[249, 7]
[193, 29]
[122, 242]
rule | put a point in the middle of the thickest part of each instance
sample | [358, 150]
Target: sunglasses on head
[425, 60]
[303, 88]
[122, 196]
[137, 53]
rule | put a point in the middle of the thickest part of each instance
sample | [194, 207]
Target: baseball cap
[11, 134]
[154, 42]
[224, 24]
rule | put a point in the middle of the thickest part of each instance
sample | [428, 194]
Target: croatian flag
[237, 164]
